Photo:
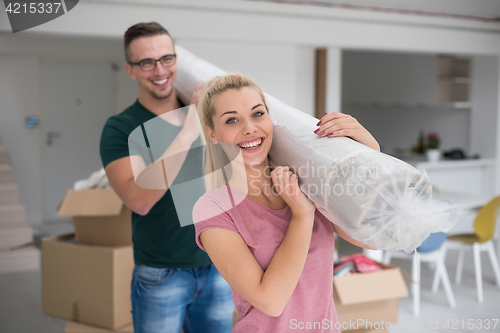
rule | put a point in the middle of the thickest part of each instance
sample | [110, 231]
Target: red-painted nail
[321, 133]
[319, 123]
[330, 133]
[325, 114]
[316, 131]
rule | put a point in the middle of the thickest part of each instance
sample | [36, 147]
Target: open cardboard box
[366, 302]
[87, 284]
[99, 217]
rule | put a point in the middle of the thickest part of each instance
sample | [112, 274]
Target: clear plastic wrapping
[377, 199]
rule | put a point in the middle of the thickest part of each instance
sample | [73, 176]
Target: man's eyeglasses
[148, 65]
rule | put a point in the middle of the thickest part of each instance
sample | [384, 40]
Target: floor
[20, 296]
[435, 310]
[20, 299]
[435, 313]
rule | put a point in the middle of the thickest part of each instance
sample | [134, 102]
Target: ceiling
[481, 10]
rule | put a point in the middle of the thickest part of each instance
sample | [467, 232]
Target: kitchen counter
[474, 177]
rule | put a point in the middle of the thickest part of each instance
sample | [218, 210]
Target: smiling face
[240, 118]
[159, 83]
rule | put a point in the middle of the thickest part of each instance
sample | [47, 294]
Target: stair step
[12, 225]
[10, 237]
[22, 260]
[3, 155]
[9, 194]
[6, 174]
[12, 214]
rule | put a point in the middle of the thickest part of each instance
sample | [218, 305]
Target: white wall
[389, 78]
[20, 97]
[273, 67]
[305, 79]
[49, 48]
[484, 120]
[392, 95]
[127, 90]
[333, 80]
[248, 21]
[399, 128]
[484, 98]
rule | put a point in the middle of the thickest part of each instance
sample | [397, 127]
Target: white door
[77, 99]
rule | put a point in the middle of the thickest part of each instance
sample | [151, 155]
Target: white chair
[480, 241]
[377, 255]
[433, 251]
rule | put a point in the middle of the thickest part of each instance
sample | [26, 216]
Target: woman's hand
[287, 186]
[340, 124]
[267, 290]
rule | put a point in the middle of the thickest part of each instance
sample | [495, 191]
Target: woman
[262, 233]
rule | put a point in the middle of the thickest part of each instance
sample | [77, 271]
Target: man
[174, 283]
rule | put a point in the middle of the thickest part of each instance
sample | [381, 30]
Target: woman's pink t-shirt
[311, 307]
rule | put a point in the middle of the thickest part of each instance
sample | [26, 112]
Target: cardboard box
[99, 217]
[87, 284]
[369, 298]
[73, 327]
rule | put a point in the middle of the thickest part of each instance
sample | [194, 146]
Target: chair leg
[460, 266]
[387, 257]
[377, 255]
[498, 245]
[436, 280]
[415, 275]
[494, 262]
[446, 283]
[479, 274]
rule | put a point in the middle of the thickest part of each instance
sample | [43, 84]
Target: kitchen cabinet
[453, 81]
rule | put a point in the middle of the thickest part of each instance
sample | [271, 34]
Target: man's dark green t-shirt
[158, 238]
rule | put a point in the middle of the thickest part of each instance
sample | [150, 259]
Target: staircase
[13, 228]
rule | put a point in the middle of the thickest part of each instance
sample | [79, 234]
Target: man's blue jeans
[194, 299]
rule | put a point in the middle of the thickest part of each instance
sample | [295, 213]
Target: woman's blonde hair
[214, 157]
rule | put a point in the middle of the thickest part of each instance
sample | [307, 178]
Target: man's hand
[190, 130]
